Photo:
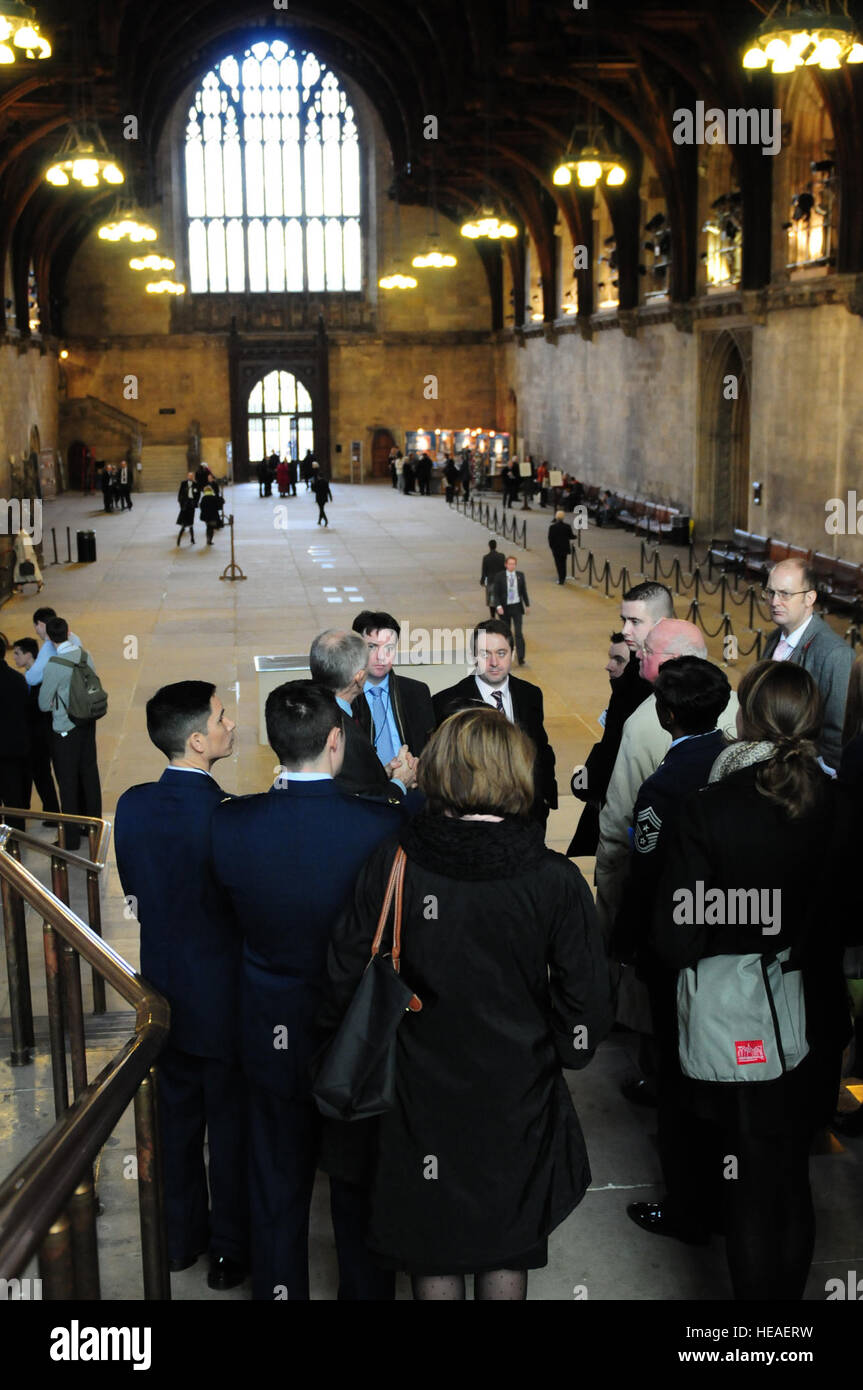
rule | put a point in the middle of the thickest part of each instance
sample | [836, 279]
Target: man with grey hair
[338, 660]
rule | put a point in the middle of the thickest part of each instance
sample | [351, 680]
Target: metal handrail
[99, 837]
[58, 1171]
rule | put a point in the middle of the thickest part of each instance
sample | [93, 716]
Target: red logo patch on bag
[752, 1051]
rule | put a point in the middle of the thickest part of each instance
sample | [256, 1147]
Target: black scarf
[472, 851]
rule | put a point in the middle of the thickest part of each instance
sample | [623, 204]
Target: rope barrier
[694, 616]
[472, 509]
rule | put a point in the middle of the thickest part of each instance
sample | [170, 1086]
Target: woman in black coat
[211, 508]
[482, 1155]
[771, 820]
[187, 496]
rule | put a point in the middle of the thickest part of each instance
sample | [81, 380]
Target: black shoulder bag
[357, 1076]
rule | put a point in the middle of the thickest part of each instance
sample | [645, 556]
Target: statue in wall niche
[193, 448]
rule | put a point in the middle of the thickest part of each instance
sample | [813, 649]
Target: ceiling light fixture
[19, 31]
[152, 262]
[84, 160]
[488, 224]
[591, 166]
[397, 280]
[127, 225]
[810, 35]
[166, 287]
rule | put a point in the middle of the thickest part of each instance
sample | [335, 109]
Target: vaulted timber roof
[510, 81]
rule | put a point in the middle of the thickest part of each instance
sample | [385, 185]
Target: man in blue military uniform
[690, 696]
[190, 950]
[288, 860]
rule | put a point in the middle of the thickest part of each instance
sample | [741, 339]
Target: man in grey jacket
[73, 747]
[805, 639]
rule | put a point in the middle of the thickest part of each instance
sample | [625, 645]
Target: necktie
[783, 650]
[512, 590]
[383, 742]
[498, 700]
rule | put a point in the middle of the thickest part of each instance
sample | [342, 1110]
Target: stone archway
[722, 464]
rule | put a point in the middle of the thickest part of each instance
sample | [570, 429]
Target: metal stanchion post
[232, 570]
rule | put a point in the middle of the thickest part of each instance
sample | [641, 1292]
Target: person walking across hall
[492, 565]
[323, 494]
[187, 497]
[508, 597]
[560, 544]
[211, 508]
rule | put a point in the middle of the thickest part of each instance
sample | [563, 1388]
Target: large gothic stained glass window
[272, 177]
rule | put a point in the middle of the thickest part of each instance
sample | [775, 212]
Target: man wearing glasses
[804, 638]
[394, 710]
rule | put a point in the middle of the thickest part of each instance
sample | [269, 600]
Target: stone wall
[28, 397]
[623, 412]
[807, 423]
[616, 411]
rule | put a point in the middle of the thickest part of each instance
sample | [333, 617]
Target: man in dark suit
[590, 782]
[560, 543]
[508, 597]
[339, 661]
[395, 711]
[492, 564]
[805, 639]
[190, 950]
[288, 860]
[14, 739]
[521, 702]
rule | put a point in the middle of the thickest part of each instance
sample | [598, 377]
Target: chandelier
[807, 35]
[166, 287]
[488, 224]
[84, 160]
[398, 281]
[127, 225]
[19, 30]
[591, 166]
[152, 262]
[433, 258]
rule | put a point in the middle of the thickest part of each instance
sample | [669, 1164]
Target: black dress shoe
[184, 1262]
[639, 1092]
[225, 1273]
[849, 1123]
[651, 1216]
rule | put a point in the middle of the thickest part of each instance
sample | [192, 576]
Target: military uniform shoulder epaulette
[377, 799]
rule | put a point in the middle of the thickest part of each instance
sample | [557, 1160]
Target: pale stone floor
[151, 613]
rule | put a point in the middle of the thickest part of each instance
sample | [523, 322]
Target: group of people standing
[200, 492]
[115, 482]
[44, 733]
[284, 473]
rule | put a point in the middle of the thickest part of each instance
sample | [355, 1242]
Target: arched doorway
[722, 474]
[382, 443]
[280, 418]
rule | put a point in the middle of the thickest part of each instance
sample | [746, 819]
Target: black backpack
[87, 699]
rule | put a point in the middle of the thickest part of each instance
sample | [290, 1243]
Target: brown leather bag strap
[388, 897]
[399, 866]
